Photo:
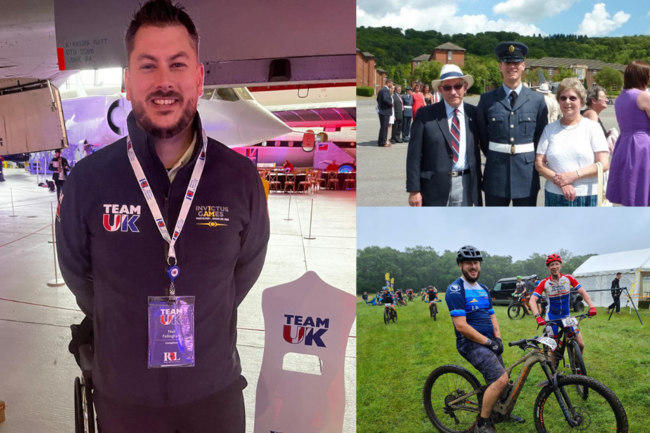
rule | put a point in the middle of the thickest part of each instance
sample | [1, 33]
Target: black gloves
[495, 345]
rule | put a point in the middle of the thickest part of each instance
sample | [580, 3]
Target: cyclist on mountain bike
[521, 291]
[400, 297]
[478, 338]
[432, 293]
[387, 299]
[557, 288]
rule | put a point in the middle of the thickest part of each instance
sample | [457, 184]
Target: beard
[470, 279]
[186, 117]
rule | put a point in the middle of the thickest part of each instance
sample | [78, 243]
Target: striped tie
[455, 135]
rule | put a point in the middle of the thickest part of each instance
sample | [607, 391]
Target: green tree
[562, 73]
[608, 77]
[533, 76]
[477, 68]
[427, 72]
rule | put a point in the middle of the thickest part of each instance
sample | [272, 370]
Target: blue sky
[517, 232]
[593, 18]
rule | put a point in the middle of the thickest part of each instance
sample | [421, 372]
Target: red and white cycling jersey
[558, 295]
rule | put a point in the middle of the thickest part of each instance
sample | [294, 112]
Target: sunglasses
[456, 87]
[570, 98]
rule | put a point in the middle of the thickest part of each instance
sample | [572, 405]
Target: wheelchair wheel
[78, 407]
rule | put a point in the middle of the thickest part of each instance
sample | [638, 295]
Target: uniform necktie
[513, 99]
[455, 135]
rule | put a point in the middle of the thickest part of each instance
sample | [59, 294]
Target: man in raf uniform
[511, 119]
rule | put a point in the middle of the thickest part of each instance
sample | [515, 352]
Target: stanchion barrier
[307, 318]
[55, 282]
[310, 219]
[288, 218]
[13, 212]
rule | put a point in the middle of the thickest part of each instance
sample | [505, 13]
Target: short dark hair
[637, 75]
[160, 13]
[389, 80]
[618, 273]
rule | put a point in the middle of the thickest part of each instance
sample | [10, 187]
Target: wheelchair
[82, 348]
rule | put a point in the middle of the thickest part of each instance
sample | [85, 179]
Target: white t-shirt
[568, 149]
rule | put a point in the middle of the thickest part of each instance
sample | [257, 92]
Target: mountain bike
[567, 340]
[389, 314]
[433, 310]
[517, 308]
[453, 397]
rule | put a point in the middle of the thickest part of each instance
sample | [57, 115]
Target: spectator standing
[616, 294]
[568, 151]
[398, 107]
[629, 179]
[385, 111]
[408, 114]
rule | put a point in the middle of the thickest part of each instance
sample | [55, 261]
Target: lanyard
[173, 270]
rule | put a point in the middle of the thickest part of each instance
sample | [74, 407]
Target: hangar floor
[36, 369]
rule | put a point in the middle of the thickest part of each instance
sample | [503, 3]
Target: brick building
[367, 73]
[445, 54]
[584, 69]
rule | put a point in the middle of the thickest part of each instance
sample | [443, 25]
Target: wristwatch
[537, 315]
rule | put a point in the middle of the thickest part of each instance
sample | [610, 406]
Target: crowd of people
[522, 134]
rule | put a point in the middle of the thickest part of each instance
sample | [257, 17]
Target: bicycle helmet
[519, 277]
[533, 277]
[468, 252]
[553, 258]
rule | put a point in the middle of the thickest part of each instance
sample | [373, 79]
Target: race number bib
[569, 321]
[548, 342]
[171, 331]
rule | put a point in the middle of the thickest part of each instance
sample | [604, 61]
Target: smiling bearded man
[158, 251]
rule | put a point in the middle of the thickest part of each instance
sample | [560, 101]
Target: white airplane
[229, 115]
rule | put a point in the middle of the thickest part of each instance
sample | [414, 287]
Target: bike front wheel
[516, 311]
[577, 366]
[444, 385]
[602, 413]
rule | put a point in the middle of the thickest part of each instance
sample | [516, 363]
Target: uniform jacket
[506, 175]
[113, 257]
[385, 102]
[408, 105]
[430, 156]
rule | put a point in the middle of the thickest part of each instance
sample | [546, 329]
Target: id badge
[171, 331]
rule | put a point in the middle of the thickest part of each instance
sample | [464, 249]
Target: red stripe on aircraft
[300, 86]
[60, 58]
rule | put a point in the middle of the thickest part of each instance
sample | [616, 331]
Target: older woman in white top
[569, 150]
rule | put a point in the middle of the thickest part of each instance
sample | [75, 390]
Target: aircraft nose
[257, 125]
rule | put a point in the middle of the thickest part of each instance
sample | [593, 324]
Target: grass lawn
[393, 362]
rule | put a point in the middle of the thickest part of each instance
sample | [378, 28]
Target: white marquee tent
[598, 272]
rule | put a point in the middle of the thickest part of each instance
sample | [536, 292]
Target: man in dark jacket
[117, 251]
[408, 113]
[443, 164]
[385, 110]
[59, 165]
[396, 133]
[616, 294]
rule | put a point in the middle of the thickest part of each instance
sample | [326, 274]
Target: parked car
[502, 291]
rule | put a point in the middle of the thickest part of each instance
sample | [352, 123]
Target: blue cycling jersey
[472, 302]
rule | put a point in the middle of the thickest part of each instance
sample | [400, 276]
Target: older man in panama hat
[443, 165]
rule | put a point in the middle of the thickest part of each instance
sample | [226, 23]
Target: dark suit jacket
[385, 102]
[430, 159]
[399, 107]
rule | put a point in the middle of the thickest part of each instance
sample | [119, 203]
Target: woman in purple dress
[629, 175]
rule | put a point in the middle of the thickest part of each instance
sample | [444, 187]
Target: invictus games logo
[121, 217]
[299, 329]
[212, 216]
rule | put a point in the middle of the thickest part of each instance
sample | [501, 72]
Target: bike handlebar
[580, 318]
